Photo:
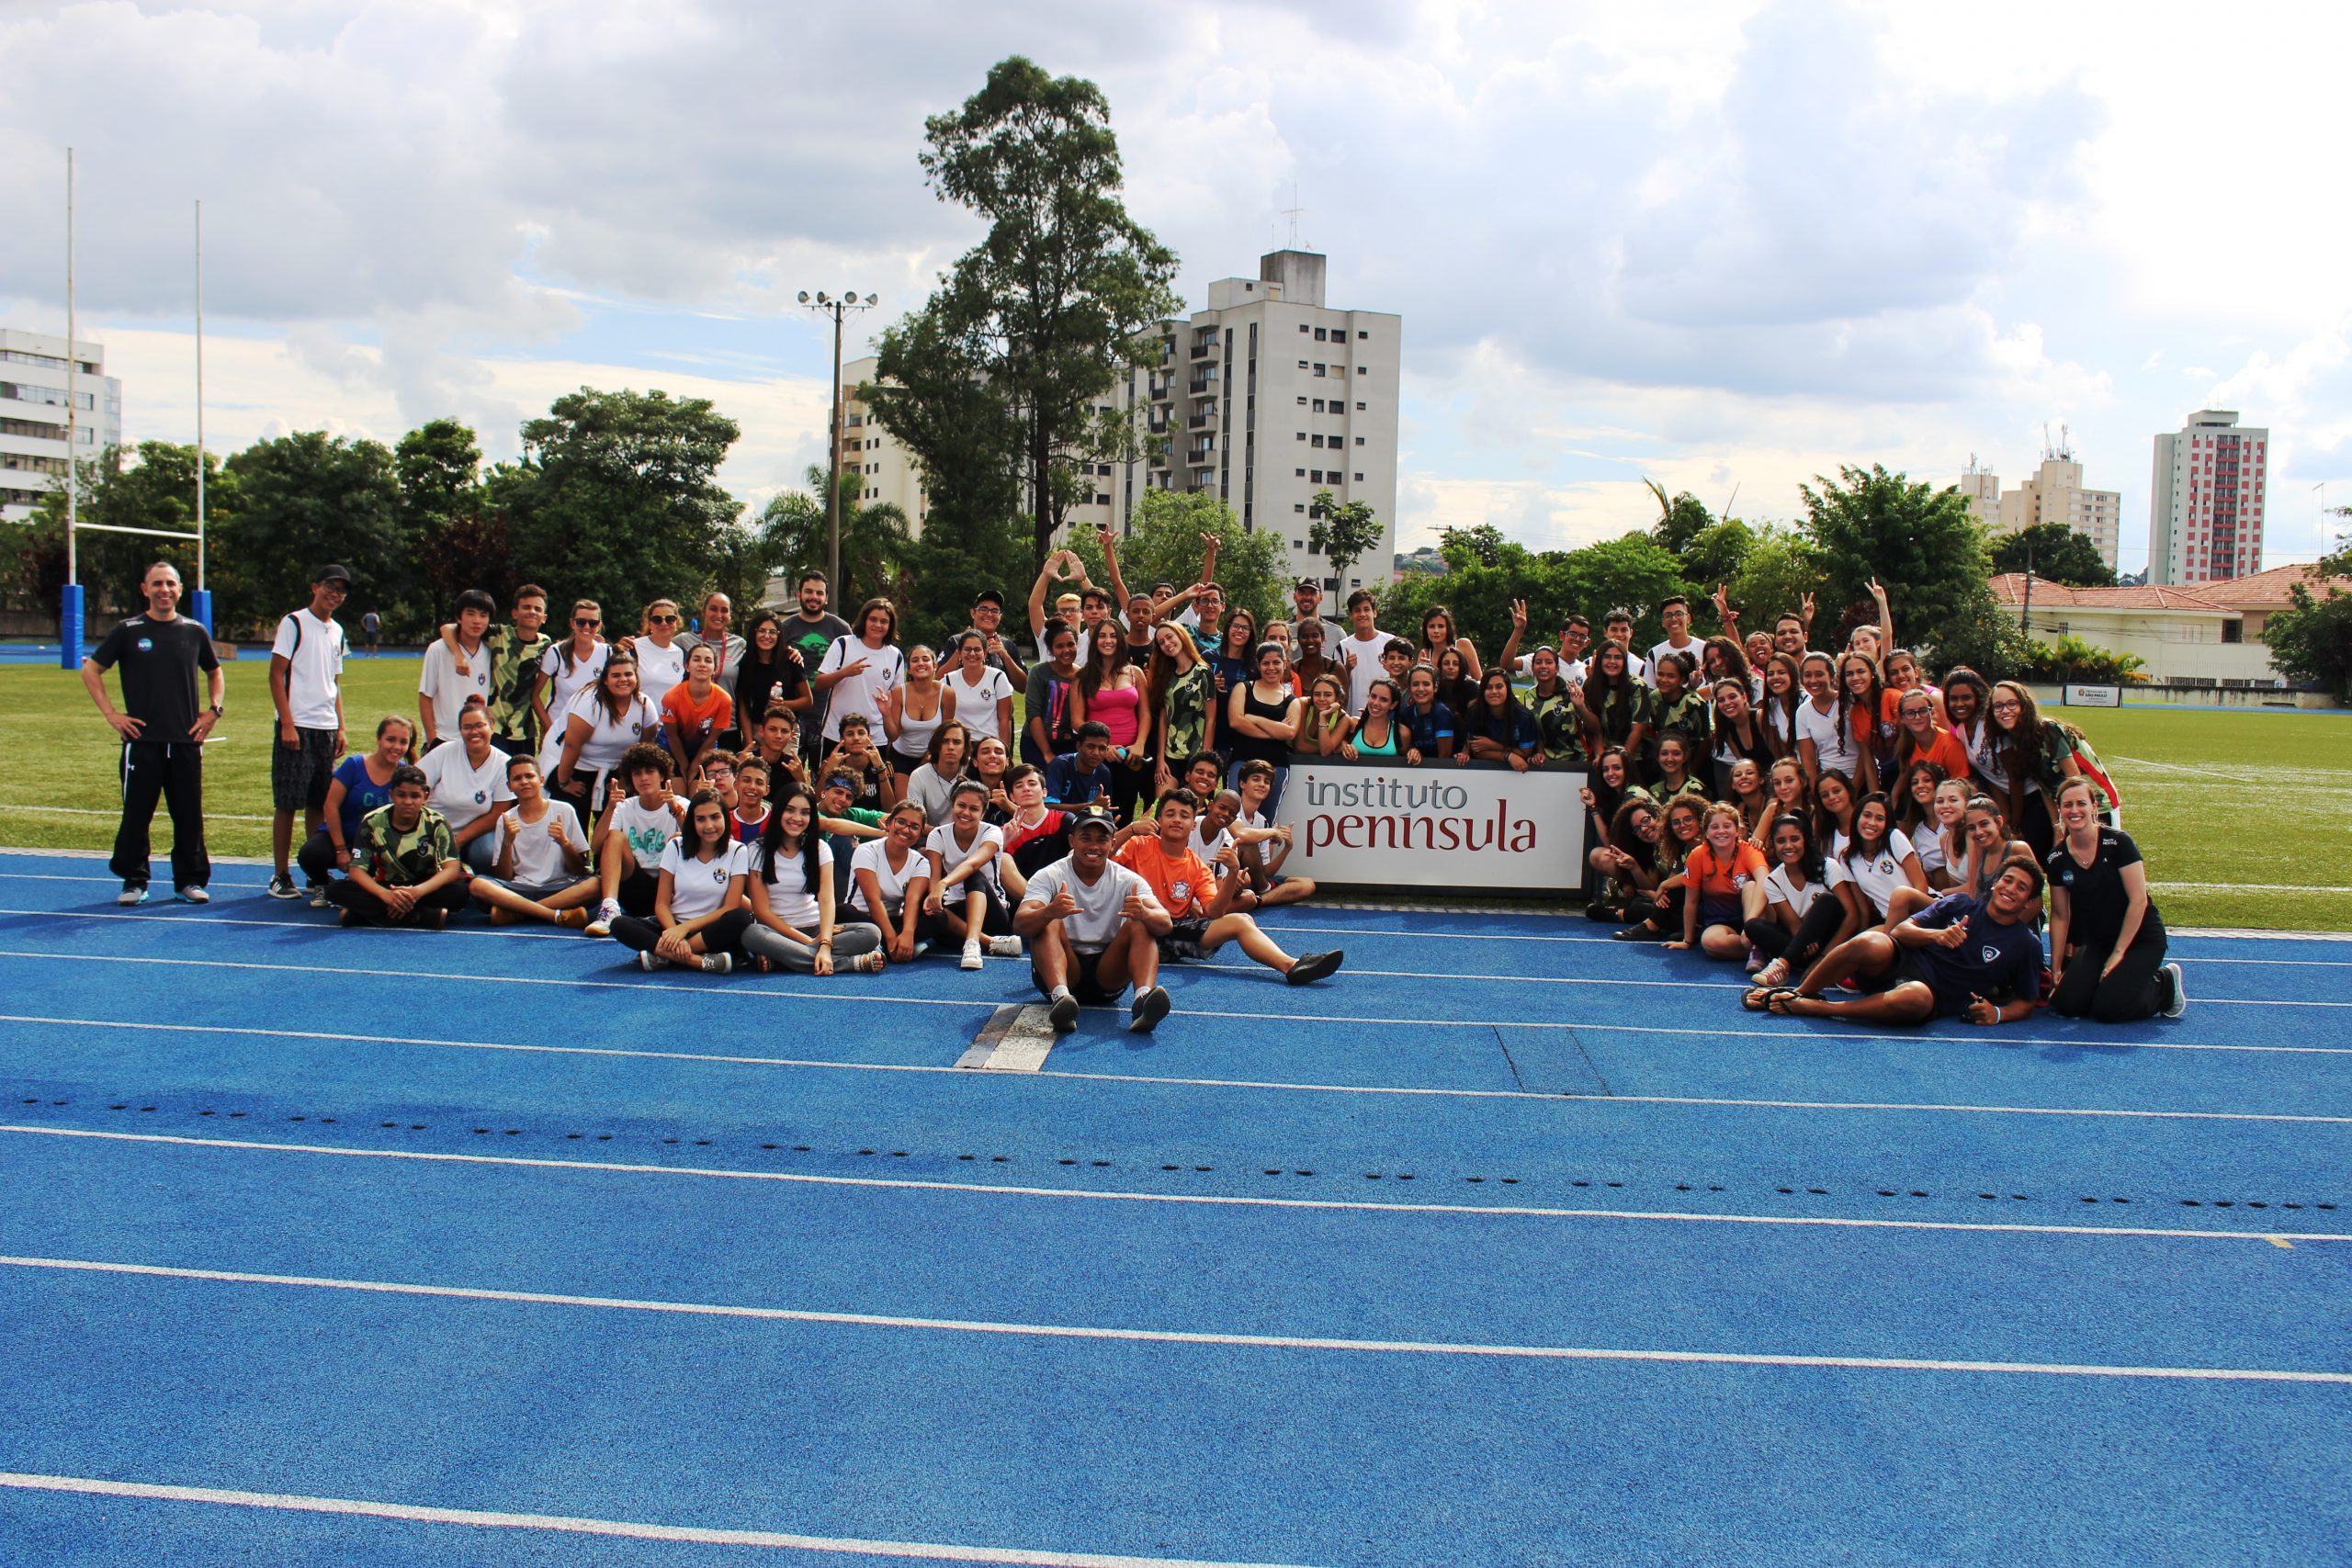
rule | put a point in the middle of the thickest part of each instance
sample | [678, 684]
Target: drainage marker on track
[1014, 1040]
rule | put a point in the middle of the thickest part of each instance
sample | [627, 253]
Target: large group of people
[808, 792]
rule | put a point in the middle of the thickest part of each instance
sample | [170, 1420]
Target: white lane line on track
[351, 1507]
[1714, 985]
[1185, 1336]
[499, 980]
[729, 1059]
[794, 1178]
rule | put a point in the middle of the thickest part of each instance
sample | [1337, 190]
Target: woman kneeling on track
[698, 912]
[1726, 887]
[2107, 942]
[1802, 918]
[788, 887]
[1960, 956]
[404, 866]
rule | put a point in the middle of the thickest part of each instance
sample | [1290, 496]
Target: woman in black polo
[2107, 942]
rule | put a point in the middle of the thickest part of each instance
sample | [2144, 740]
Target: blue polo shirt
[1995, 958]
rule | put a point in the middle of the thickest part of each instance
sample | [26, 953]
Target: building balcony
[1202, 420]
[1200, 384]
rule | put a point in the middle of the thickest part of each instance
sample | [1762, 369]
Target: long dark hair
[1856, 850]
[1603, 692]
[771, 837]
[613, 705]
[1810, 861]
[690, 842]
[1099, 665]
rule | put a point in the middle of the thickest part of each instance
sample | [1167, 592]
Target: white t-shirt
[698, 887]
[647, 832]
[448, 690]
[941, 843]
[458, 789]
[1878, 877]
[976, 701]
[537, 860]
[1691, 647]
[1929, 846]
[659, 668]
[1833, 743]
[1100, 908]
[313, 651]
[566, 678]
[792, 898]
[1778, 890]
[609, 736]
[1209, 848]
[886, 668]
[1982, 758]
[1367, 667]
[872, 856]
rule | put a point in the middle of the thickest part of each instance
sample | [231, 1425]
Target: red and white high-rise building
[2205, 503]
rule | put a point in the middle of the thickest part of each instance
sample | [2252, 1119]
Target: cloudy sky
[1717, 244]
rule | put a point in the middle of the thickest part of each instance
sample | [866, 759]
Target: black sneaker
[1314, 966]
[1063, 1014]
[1151, 1005]
[2176, 991]
[282, 886]
[1643, 932]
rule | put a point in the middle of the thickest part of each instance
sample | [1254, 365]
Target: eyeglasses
[2008, 707]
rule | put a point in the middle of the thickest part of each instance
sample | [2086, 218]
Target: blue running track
[1506, 1246]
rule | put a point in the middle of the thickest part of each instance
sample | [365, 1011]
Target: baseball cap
[1092, 816]
[988, 596]
[1306, 582]
[331, 572]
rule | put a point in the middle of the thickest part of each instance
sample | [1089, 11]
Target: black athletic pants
[171, 770]
[2132, 992]
[367, 910]
[1801, 946]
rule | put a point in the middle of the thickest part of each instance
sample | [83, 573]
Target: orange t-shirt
[1183, 884]
[1716, 881]
[690, 723]
[1945, 751]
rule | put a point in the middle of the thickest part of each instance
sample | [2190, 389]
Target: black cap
[1093, 815]
[988, 596]
[1307, 582]
[331, 572]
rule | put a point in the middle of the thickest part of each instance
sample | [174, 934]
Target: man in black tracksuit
[163, 729]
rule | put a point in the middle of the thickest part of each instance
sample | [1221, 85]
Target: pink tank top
[1118, 711]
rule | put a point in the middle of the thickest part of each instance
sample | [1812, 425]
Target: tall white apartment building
[33, 454]
[2055, 494]
[1262, 400]
[1983, 489]
[1271, 395]
[2205, 499]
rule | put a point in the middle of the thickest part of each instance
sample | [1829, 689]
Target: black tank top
[1245, 748]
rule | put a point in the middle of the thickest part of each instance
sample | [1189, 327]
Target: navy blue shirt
[1425, 729]
[1995, 958]
[1069, 784]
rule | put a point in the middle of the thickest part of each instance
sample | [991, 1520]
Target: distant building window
[1359, 478]
[1316, 441]
[1298, 507]
[1358, 440]
[1302, 364]
[1301, 473]
[1364, 337]
[2233, 631]
[1318, 370]
[1302, 402]
[1320, 335]
[1301, 435]
[1302, 326]
[1359, 407]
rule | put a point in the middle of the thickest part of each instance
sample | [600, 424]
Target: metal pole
[199, 397]
[72, 562]
[834, 488]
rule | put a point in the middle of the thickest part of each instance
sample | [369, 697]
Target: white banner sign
[2094, 696]
[1440, 825]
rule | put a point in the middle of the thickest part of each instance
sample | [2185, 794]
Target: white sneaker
[718, 962]
[319, 899]
[649, 960]
[192, 894]
[136, 893]
[2179, 1003]
[607, 913]
[1004, 947]
[971, 954]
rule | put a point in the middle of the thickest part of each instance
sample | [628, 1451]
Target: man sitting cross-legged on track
[540, 870]
[1093, 927]
[1955, 958]
[404, 865]
[636, 825]
[1161, 853]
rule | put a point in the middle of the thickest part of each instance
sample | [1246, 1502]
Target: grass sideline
[2227, 805]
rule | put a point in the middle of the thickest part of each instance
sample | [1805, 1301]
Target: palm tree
[874, 538]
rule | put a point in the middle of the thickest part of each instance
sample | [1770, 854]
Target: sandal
[1778, 1002]
[1759, 998]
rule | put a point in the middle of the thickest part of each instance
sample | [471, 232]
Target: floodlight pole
[201, 606]
[827, 305]
[69, 609]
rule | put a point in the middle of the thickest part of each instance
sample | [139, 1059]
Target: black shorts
[1183, 940]
[1085, 979]
[298, 774]
[1908, 968]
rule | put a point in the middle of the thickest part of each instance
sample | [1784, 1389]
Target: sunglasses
[586, 621]
[662, 620]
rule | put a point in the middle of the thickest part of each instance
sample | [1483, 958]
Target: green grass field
[2235, 810]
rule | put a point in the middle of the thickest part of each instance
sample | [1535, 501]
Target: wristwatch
[216, 710]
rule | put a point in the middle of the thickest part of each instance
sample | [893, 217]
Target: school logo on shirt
[1991, 954]
[482, 797]
[718, 871]
[146, 644]
[1182, 889]
[2068, 878]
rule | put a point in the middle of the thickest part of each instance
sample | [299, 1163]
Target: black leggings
[367, 910]
[1801, 946]
[2132, 992]
[725, 935]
